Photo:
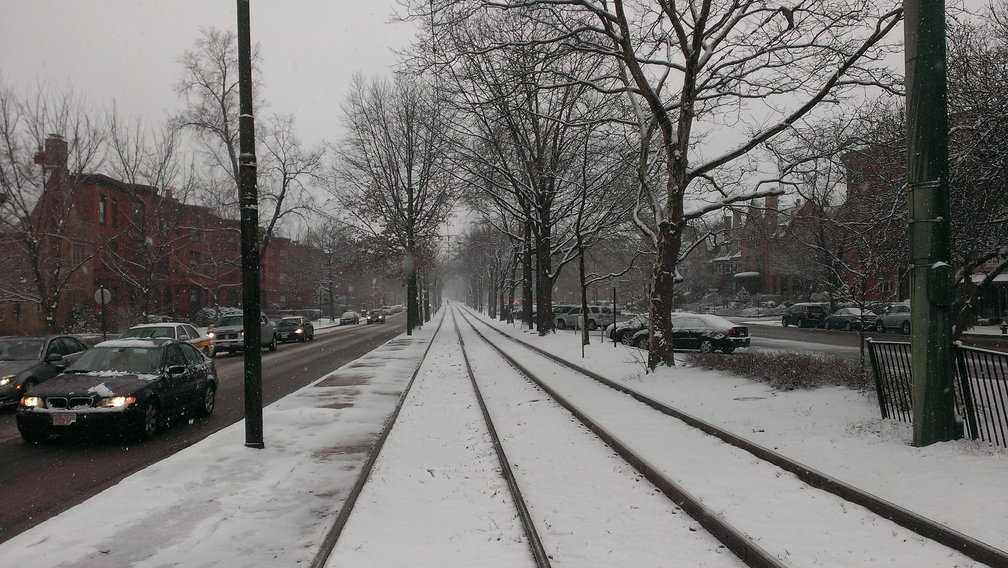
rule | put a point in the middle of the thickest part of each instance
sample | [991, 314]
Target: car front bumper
[77, 421]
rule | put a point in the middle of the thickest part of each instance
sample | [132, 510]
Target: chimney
[54, 158]
[771, 203]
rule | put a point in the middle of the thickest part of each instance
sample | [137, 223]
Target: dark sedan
[295, 328]
[130, 386]
[702, 332]
[850, 318]
[28, 361]
[375, 316]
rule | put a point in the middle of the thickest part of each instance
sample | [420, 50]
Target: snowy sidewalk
[218, 503]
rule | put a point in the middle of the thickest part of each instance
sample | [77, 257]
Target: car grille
[69, 403]
[228, 336]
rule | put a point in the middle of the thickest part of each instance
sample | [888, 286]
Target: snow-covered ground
[436, 499]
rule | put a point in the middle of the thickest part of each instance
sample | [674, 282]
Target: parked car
[563, 317]
[896, 316]
[375, 316]
[172, 330]
[295, 328]
[229, 334]
[126, 385]
[703, 332]
[349, 317]
[624, 331]
[596, 315]
[28, 361]
[849, 318]
[805, 314]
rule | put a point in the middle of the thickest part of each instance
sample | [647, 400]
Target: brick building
[154, 252]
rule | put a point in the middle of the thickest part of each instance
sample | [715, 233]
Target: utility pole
[932, 289]
[249, 201]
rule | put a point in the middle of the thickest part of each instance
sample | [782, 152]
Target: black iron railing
[981, 387]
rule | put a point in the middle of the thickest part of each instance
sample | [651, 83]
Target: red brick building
[155, 253]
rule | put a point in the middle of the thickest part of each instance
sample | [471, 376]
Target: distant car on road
[375, 316]
[124, 385]
[28, 361]
[897, 316]
[172, 330]
[703, 332]
[295, 328]
[849, 318]
[229, 334]
[806, 314]
[349, 317]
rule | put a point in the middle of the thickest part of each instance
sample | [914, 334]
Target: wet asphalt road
[40, 481]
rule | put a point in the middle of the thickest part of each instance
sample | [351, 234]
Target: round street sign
[102, 296]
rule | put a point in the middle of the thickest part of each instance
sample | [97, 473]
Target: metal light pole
[932, 289]
[249, 200]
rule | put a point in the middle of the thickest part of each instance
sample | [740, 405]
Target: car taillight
[731, 331]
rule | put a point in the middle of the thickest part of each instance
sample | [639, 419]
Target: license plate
[284, 335]
[63, 419]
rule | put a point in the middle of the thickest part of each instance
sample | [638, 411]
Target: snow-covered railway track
[715, 504]
[591, 507]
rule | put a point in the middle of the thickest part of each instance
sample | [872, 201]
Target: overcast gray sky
[128, 50]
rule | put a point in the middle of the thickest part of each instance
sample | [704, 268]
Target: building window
[193, 259]
[138, 211]
[102, 209]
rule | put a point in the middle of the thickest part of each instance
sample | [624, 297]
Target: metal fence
[981, 387]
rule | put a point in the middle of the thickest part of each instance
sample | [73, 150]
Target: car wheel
[150, 417]
[706, 346]
[209, 400]
[642, 342]
[32, 435]
[273, 344]
[906, 328]
[625, 336]
[561, 324]
[879, 327]
[592, 325]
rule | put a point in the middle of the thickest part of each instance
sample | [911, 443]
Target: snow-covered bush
[788, 371]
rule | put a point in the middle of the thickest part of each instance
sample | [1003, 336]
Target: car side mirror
[54, 358]
[176, 370]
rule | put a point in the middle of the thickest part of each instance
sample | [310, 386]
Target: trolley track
[741, 544]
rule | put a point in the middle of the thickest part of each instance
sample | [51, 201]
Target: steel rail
[333, 534]
[534, 541]
[735, 540]
[925, 527]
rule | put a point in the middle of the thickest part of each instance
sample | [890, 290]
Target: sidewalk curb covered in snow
[218, 503]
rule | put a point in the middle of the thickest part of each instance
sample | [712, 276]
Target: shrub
[787, 371]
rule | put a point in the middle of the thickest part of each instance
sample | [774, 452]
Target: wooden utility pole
[249, 201]
[932, 289]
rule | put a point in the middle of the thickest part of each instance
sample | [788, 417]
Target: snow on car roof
[162, 324]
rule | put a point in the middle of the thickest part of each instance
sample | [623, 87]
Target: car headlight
[299, 330]
[31, 401]
[6, 379]
[242, 333]
[210, 334]
[117, 401]
[718, 335]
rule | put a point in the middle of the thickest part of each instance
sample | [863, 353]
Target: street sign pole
[249, 201]
[103, 296]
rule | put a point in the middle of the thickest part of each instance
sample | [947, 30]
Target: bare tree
[48, 143]
[392, 172]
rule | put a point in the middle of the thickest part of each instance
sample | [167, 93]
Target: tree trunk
[584, 294]
[527, 277]
[661, 351]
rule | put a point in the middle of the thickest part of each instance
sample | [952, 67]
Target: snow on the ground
[435, 496]
[835, 430]
[218, 503]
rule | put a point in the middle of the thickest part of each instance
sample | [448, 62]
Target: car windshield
[349, 314]
[149, 332]
[229, 321]
[289, 321]
[132, 359]
[21, 349]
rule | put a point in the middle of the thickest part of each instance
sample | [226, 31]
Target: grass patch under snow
[787, 371]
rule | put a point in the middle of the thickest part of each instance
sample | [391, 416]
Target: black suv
[805, 315]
